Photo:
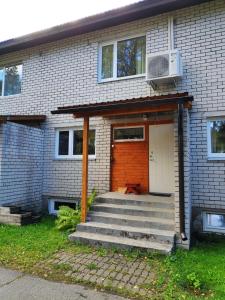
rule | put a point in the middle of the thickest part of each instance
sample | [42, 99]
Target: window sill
[10, 96]
[212, 158]
[73, 158]
[122, 78]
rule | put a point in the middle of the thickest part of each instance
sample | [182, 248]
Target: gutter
[136, 11]
[181, 171]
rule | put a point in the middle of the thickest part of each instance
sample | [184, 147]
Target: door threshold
[160, 194]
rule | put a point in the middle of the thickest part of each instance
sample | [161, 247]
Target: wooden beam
[131, 111]
[85, 170]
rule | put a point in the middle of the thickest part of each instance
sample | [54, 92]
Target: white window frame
[211, 155]
[114, 43]
[70, 150]
[51, 205]
[129, 140]
[208, 228]
[3, 80]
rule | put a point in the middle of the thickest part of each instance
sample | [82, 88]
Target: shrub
[91, 198]
[68, 218]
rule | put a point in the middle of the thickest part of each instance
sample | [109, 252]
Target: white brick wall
[21, 172]
[65, 73]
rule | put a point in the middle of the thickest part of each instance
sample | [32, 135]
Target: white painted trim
[114, 44]
[70, 155]
[215, 114]
[129, 140]
[211, 155]
[208, 228]
[51, 205]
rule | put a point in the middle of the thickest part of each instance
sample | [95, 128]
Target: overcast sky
[20, 17]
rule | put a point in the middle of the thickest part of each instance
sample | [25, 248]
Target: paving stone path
[114, 271]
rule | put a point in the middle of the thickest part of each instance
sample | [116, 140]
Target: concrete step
[119, 242]
[129, 220]
[134, 210]
[137, 233]
[139, 200]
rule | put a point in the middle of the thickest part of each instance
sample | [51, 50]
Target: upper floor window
[69, 143]
[216, 138]
[10, 80]
[122, 58]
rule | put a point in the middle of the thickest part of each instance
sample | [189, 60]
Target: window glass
[78, 142]
[131, 133]
[1, 80]
[13, 77]
[215, 220]
[107, 62]
[217, 132]
[131, 57]
[63, 143]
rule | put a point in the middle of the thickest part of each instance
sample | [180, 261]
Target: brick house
[146, 83]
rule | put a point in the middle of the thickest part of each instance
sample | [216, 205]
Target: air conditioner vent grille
[158, 66]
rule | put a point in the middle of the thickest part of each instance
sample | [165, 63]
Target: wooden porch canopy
[165, 103]
[22, 119]
[128, 106]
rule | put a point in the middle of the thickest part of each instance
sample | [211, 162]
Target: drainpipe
[170, 33]
[181, 170]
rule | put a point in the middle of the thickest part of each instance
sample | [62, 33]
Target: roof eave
[122, 15]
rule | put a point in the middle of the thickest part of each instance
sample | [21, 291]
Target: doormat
[161, 194]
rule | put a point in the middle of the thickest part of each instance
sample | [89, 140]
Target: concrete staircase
[129, 221]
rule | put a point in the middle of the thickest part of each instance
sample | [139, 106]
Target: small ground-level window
[216, 138]
[69, 143]
[54, 205]
[213, 222]
[135, 133]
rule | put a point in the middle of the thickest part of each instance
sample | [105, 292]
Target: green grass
[22, 247]
[188, 275]
[196, 274]
[92, 266]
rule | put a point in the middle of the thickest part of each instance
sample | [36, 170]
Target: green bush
[68, 218]
[91, 198]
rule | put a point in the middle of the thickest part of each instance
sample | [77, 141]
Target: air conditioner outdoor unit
[163, 67]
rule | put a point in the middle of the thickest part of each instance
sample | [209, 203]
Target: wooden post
[85, 170]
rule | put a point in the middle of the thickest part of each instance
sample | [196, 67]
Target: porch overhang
[164, 103]
[129, 106]
[22, 119]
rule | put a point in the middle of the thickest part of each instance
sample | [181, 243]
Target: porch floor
[141, 197]
[129, 221]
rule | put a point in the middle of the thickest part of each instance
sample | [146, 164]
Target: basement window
[54, 205]
[214, 222]
[129, 134]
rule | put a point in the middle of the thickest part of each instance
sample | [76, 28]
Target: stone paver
[18, 286]
[111, 270]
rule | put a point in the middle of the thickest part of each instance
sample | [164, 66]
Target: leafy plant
[68, 218]
[193, 281]
[91, 198]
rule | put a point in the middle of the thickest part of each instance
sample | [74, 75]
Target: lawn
[23, 247]
[195, 274]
